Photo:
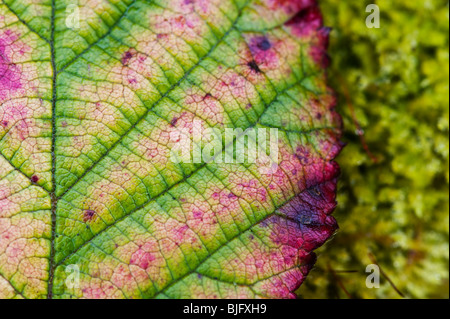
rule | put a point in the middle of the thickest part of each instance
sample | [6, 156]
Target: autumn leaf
[90, 94]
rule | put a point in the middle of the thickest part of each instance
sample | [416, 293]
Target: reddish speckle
[20, 116]
[142, 259]
[4, 123]
[249, 189]
[127, 55]
[197, 214]
[34, 179]
[303, 155]
[174, 121]
[88, 215]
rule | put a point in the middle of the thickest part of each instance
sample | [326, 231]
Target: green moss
[396, 79]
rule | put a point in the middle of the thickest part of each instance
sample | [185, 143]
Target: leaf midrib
[54, 201]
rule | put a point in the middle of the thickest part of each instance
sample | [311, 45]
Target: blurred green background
[393, 89]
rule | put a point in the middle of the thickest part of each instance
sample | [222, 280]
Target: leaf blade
[117, 205]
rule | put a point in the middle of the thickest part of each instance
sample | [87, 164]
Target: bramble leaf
[91, 93]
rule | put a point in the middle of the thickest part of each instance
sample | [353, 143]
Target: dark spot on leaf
[314, 192]
[88, 215]
[127, 55]
[252, 65]
[264, 44]
[174, 121]
[304, 217]
[5, 123]
[303, 155]
[34, 179]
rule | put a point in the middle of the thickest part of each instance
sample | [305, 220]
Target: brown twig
[359, 130]
[339, 282]
[373, 259]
